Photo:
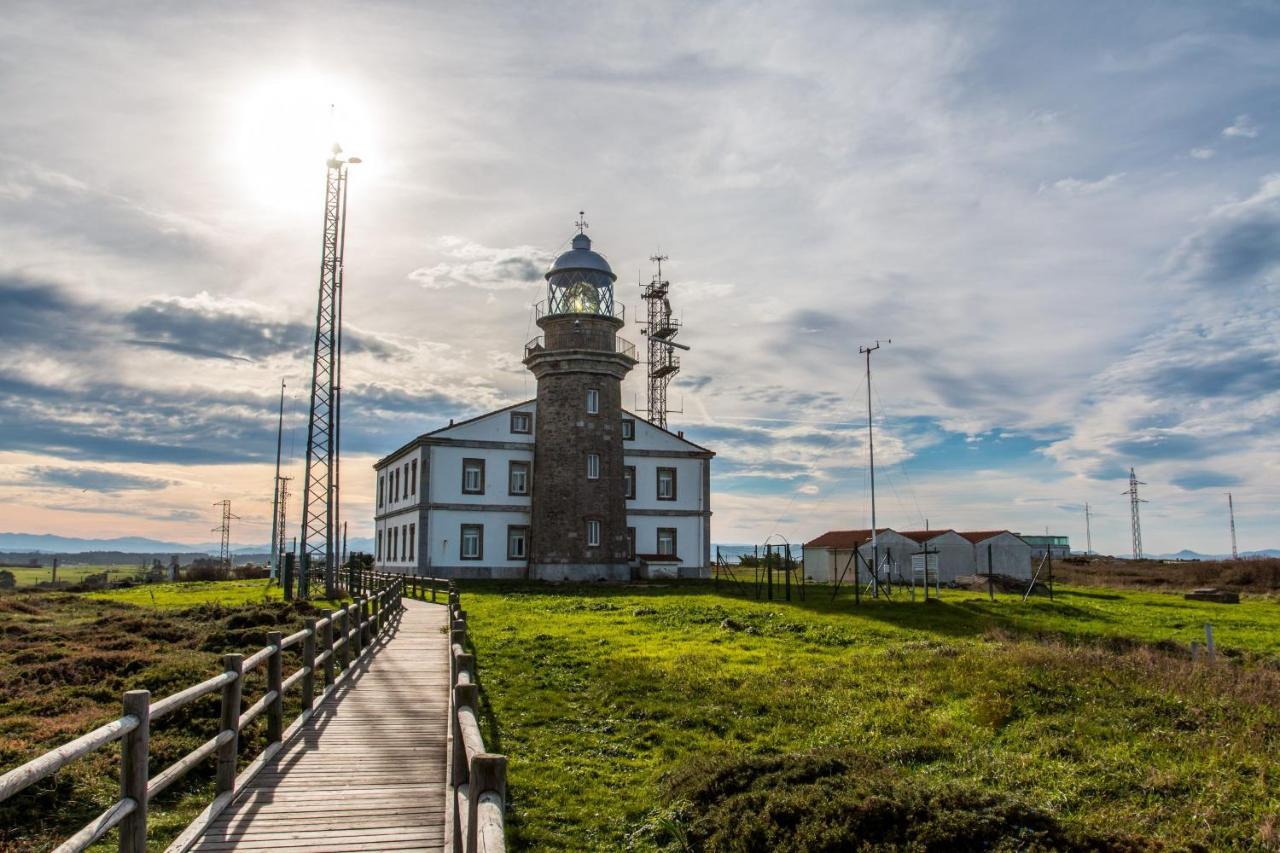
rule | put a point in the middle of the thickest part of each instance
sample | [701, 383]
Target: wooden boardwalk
[367, 772]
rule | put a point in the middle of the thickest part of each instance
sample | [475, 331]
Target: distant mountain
[1187, 554]
[50, 544]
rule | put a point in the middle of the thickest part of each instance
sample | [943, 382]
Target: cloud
[92, 479]
[1204, 479]
[1242, 128]
[1202, 153]
[469, 264]
[1237, 244]
[1080, 187]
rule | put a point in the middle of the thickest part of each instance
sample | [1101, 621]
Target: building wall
[1009, 556]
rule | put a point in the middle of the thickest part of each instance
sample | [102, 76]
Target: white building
[1000, 552]
[458, 502]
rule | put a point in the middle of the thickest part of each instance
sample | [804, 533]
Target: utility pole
[281, 523]
[224, 552]
[871, 453]
[1231, 510]
[1135, 521]
[319, 494]
[1088, 531]
[275, 499]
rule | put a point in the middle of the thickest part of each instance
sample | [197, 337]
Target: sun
[286, 130]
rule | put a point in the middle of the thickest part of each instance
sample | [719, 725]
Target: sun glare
[286, 131]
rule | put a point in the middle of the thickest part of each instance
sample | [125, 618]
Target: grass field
[65, 661]
[30, 576]
[675, 718]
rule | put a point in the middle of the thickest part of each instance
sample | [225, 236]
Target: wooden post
[366, 615]
[1210, 650]
[309, 661]
[488, 773]
[1195, 651]
[230, 723]
[326, 640]
[991, 584]
[135, 749]
[275, 682]
[432, 581]
[464, 695]
[344, 655]
[1048, 554]
[353, 630]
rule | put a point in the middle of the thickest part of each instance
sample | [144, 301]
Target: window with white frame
[517, 542]
[472, 542]
[593, 466]
[521, 422]
[628, 429]
[593, 401]
[473, 476]
[382, 483]
[629, 482]
[666, 484]
[517, 478]
[667, 541]
[593, 532]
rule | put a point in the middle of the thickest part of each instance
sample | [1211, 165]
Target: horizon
[1066, 219]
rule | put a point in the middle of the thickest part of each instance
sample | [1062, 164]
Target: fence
[355, 627]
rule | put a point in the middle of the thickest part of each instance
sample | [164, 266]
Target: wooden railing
[343, 638]
[479, 778]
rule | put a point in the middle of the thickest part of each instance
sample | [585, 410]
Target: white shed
[955, 553]
[1000, 552]
[829, 556]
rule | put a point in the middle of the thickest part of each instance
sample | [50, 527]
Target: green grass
[624, 710]
[30, 576]
[179, 596]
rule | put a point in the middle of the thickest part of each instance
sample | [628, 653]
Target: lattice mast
[1231, 511]
[660, 328]
[281, 524]
[1135, 518]
[319, 493]
[224, 549]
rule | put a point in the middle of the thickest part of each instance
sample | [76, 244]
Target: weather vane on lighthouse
[582, 222]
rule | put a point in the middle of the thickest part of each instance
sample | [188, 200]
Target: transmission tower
[281, 538]
[320, 491]
[1088, 530]
[659, 330]
[1135, 520]
[1231, 510]
[224, 551]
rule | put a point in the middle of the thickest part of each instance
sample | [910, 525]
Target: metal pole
[991, 583]
[275, 500]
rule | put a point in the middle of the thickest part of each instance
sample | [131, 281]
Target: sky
[1065, 216]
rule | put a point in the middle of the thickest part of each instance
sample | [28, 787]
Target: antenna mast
[1135, 521]
[1231, 509]
[871, 452]
[1088, 530]
[659, 329]
[320, 489]
[275, 500]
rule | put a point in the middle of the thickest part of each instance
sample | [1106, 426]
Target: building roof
[581, 257]
[976, 536]
[844, 538]
[923, 535]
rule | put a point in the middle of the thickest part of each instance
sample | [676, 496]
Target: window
[473, 476]
[379, 546]
[395, 484]
[517, 478]
[666, 541]
[413, 482]
[472, 542]
[666, 484]
[413, 535]
[593, 532]
[521, 422]
[628, 429]
[593, 401]
[382, 482]
[517, 542]
[593, 466]
[404, 542]
[629, 481]
[392, 543]
[631, 543]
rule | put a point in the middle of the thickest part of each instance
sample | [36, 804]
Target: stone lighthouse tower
[579, 521]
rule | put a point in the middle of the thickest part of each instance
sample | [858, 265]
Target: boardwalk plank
[368, 770]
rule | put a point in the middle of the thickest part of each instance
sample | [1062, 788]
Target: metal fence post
[135, 748]
[231, 694]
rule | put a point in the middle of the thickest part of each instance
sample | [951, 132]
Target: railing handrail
[590, 340]
[363, 621]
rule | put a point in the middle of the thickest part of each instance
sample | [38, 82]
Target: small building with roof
[999, 552]
[955, 553]
[829, 558]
